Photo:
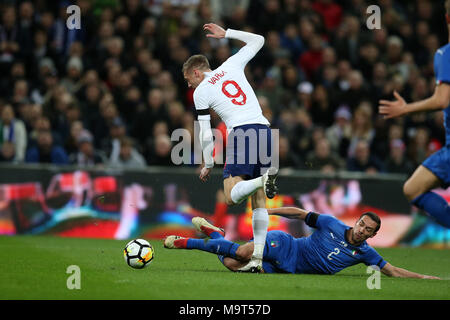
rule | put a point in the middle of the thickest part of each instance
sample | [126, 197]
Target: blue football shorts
[439, 164]
[248, 151]
[280, 253]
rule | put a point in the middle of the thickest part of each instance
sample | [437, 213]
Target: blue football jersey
[442, 73]
[327, 251]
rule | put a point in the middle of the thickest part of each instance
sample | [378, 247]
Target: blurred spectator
[322, 158]
[17, 72]
[9, 38]
[331, 12]
[46, 151]
[397, 162]
[270, 12]
[74, 73]
[291, 40]
[111, 144]
[363, 161]
[272, 91]
[305, 90]
[175, 113]
[362, 126]
[339, 134]
[299, 126]
[7, 152]
[321, 110]
[42, 123]
[357, 91]
[28, 113]
[161, 155]
[128, 156]
[349, 39]
[13, 130]
[155, 110]
[71, 143]
[418, 147]
[20, 91]
[287, 158]
[381, 145]
[311, 59]
[86, 155]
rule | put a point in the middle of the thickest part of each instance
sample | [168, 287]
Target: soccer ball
[138, 253]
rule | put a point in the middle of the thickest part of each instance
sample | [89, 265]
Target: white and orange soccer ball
[138, 253]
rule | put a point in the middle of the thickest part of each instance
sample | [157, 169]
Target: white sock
[260, 222]
[244, 189]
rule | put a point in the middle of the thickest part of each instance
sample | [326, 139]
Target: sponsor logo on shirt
[342, 243]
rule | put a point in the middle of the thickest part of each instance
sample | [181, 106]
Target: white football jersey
[226, 89]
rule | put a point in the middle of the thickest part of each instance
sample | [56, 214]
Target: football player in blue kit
[331, 248]
[434, 172]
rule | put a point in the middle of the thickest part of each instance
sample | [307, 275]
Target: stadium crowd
[112, 92]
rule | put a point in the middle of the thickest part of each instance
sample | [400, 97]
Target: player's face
[193, 78]
[364, 229]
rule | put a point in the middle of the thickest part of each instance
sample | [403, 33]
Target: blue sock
[216, 235]
[435, 205]
[217, 246]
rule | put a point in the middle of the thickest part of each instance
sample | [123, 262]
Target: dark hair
[374, 217]
[197, 61]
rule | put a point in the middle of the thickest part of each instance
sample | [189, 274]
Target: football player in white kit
[227, 91]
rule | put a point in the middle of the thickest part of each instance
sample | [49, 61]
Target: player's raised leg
[207, 228]
[417, 191]
[237, 189]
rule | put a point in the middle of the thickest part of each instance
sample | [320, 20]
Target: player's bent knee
[231, 264]
[410, 190]
[244, 252]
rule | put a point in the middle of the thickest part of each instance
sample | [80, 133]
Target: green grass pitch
[34, 267]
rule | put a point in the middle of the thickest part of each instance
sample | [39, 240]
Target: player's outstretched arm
[207, 145]
[289, 212]
[392, 271]
[438, 101]
[254, 42]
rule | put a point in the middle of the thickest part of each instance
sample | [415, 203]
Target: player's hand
[392, 109]
[204, 174]
[431, 277]
[217, 32]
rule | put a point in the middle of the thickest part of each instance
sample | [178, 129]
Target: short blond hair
[197, 61]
